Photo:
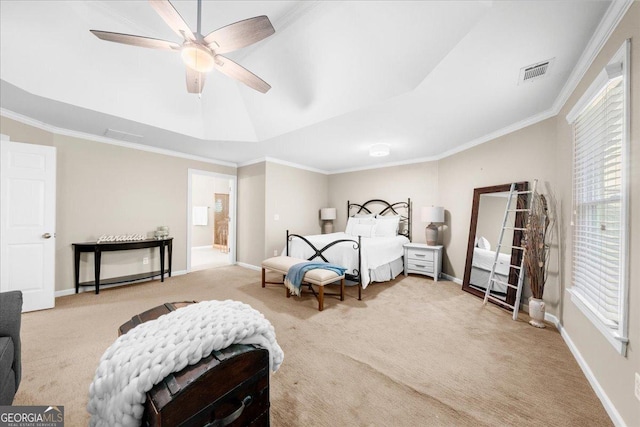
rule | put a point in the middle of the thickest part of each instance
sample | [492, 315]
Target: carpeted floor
[412, 352]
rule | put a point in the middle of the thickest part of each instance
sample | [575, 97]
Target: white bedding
[376, 251]
[481, 269]
[483, 259]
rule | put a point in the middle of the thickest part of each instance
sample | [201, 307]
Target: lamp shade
[327, 214]
[432, 214]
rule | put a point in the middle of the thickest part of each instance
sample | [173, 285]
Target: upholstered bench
[319, 277]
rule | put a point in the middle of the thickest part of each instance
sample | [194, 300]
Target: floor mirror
[487, 217]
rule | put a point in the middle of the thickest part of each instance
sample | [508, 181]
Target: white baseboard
[66, 292]
[451, 278]
[595, 385]
[249, 266]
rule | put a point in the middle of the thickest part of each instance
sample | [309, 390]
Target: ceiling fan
[202, 54]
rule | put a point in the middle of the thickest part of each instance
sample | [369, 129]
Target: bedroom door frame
[233, 205]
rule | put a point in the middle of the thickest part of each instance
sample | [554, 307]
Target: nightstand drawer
[423, 266]
[420, 255]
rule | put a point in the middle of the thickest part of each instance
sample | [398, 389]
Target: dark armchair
[10, 365]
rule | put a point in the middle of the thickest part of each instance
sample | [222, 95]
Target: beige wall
[523, 155]
[108, 189]
[614, 372]
[394, 184]
[295, 196]
[251, 214]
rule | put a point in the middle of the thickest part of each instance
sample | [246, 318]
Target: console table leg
[97, 259]
[76, 254]
[162, 261]
[170, 248]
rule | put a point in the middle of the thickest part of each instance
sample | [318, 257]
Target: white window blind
[597, 189]
[600, 243]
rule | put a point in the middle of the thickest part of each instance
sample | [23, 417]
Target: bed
[370, 248]
[481, 270]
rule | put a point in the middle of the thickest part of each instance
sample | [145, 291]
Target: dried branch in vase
[536, 244]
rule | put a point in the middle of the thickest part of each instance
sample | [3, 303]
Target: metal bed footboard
[354, 275]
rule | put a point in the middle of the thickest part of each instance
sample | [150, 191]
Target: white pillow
[484, 244]
[364, 230]
[387, 226]
[361, 215]
[352, 222]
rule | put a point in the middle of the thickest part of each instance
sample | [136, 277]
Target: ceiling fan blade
[136, 40]
[239, 34]
[238, 72]
[173, 19]
[195, 81]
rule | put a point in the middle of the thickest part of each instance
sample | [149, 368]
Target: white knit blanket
[146, 354]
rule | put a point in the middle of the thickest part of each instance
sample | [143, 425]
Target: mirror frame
[516, 255]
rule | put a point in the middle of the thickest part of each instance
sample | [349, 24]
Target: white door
[27, 222]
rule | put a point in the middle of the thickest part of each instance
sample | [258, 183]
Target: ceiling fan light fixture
[197, 57]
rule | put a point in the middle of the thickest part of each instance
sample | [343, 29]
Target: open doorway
[211, 220]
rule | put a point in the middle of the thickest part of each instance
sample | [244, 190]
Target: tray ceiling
[427, 78]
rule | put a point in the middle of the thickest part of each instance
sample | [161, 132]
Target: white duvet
[376, 251]
[483, 259]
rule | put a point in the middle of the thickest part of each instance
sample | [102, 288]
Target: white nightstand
[421, 258]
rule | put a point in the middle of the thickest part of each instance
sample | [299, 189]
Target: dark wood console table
[98, 248]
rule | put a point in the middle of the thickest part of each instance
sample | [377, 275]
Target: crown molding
[499, 133]
[282, 162]
[384, 165]
[608, 24]
[104, 140]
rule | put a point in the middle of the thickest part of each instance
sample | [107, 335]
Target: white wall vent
[535, 71]
[122, 136]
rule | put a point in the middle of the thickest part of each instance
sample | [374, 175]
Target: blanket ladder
[519, 268]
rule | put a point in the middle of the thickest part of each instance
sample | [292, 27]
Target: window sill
[618, 342]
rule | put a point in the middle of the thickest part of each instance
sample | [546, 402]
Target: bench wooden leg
[263, 278]
[288, 291]
[342, 289]
[320, 298]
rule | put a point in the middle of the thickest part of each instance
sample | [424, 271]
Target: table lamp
[327, 215]
[432, 215]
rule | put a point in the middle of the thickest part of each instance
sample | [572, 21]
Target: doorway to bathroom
[211, 227]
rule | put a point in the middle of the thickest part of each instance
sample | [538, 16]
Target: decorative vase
[536, 312]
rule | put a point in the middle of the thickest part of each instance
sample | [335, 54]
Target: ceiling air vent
[535, 71]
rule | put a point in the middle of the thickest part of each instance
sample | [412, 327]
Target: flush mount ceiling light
[379, 150]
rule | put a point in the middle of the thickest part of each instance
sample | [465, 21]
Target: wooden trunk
[229, 387]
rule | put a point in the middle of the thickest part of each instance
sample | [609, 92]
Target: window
[600, 146]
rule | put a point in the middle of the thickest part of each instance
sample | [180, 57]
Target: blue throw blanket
[294, 277]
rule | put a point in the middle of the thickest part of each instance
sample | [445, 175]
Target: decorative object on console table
[423, 259]
[432, 215]
[161, 232]
[327, 215]
[537, 235]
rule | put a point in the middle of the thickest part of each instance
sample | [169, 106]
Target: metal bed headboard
[403, 209]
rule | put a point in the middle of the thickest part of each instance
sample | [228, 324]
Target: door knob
[46, 235]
